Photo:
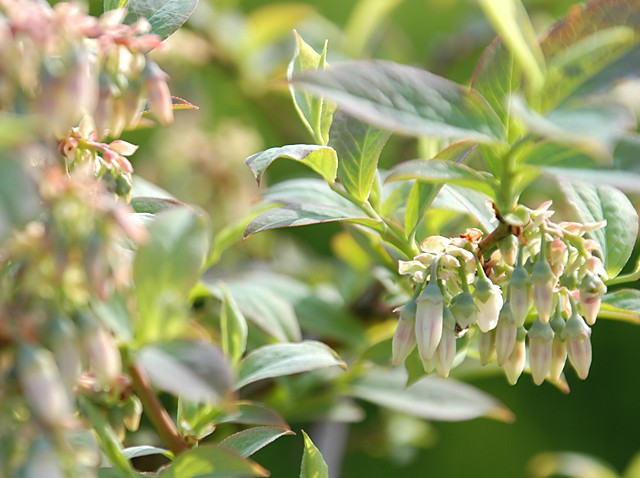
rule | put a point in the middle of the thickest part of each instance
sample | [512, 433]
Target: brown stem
[487, 244]
[156, 412]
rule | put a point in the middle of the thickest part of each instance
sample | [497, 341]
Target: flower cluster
[533, 298]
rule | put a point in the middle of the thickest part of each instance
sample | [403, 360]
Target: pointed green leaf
[249, 441]
[358, 146]
[459, 198]
[511, 21]
[310, 191]
[145, 450]
[304, 215]
[432, 397]
[605, 203]
[153, 205]
[406, 100]
[209, 461]
[322, 159]
[623, 304]
[313, 464]
[195, 370]
[233, 327]
[165, 16]
[165, 268]
[316, 113]
[285, 359]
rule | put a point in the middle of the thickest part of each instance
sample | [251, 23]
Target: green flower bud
[514, 365]
[429, 317]
[487, 346]
[520, 295]
[577, 338]
[404, 338]
[509, 249]
[543, 282]
[464, 309]
[488, 299]
[540, 350]
[132, 410]
[506, 333]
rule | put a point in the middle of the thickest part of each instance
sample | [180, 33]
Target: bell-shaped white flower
[543, 281]
[488, 299]
[506, 333]
[577, 338]
[404, 338]
[520, 294]
[429, 316]
[540, 350]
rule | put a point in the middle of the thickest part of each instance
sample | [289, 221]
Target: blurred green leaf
[113, 4]
[406, 100]
[145, 450]
[114, 312]
[322, 159]
[606, 203]
[153, 205]
[209, 461]
[313, 464]
[365, 21]
[305, 215]
[623, 304]
[277, 360]
[165, 268]
[195, 370]
[165, 16]
[633, 468]
[316, 113]
[253, 413]
[233, 327]
[19, 200]
[247, 442]
[144, 188]
[573, 465]
[431, 397]
[623, 180]
[474, 203]
[358, 146]
[511, 21]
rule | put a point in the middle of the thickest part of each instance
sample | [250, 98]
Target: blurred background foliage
[231, 60]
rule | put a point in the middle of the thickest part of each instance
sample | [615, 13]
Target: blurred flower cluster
[531, 300]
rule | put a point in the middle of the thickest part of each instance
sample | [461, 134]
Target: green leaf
[145, 450]
[165, 16]
[406, 100]
[247, 442]
[212, 462]
[573, 465]
[305, 215]
[365, 21]
[431, 397]
[233, 327]
[623, 304]
[253, 413]
[623, 180]
[322, 159]
[358, 146]
[195, 370]
[271, 313]
[459, 198]
[605, 203]
[511, 21]
[154, 205]
[285, 359]
[633, 468]
[113, 4]
[441, 171]
[313, 464]
[19, 200]
[316, 113]
[165, 268]
[310, 191]
[114, 313]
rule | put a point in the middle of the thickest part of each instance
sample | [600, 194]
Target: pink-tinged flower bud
[429, 316]
[558, 347]
[591, 291]
[488, 299]
[520, 295]
[508, 250]
[43, 387]
[506, 333]
[577, 338]
[123, 147]
[404, 338]
[158, 92]
[543, 282]
[446, 351]
[104, 356]
[464, 309]
[540, 349]
[514, 365]
[558, 256]
[487, 346]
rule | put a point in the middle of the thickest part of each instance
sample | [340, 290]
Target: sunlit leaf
[358, 146]
[195, 370]
[209, 461]
[573, 465]
[277, 360]
[406, 100]
[247, 442]
[605, 203]
[322, 159]
[462, 199]
[310, 191]
[233, 327]
[313, 464]
[145, 450]
[431, 397]
[623, 180]
[165, 16]
[623, 304]
[364, 23]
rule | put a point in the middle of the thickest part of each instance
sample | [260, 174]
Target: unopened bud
[132, 410]
[102, 350]
[558, 256]
[429, 316]
[558, 358]
[487, 346]
[591, 291]
[404, 338]
[509, 249]
[540, 350]
[543, 282]
[577, 338]
[446, 351]
[520, 295]
[158, 92]
[514, 365]
[506, 333]
[488, 299]
[464, 309]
